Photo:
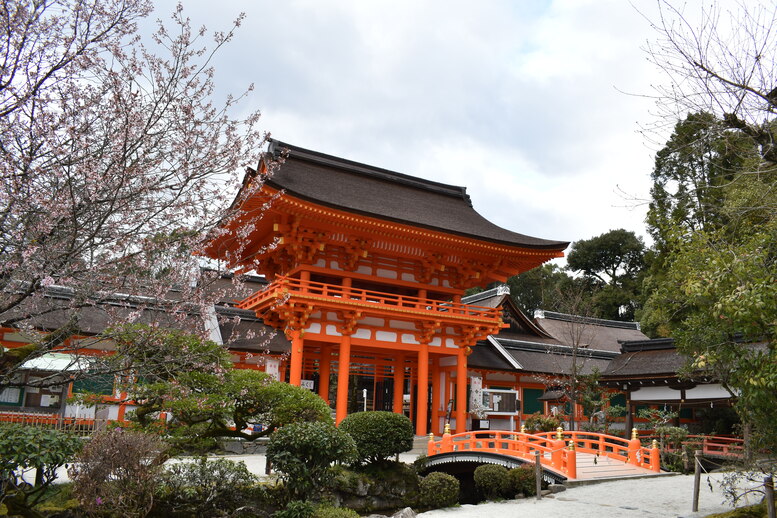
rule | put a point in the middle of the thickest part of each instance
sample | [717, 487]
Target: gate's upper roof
[363, 189]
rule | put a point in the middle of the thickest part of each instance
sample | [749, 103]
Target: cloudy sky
[526, 103]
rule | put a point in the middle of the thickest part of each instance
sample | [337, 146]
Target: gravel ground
[669, 496]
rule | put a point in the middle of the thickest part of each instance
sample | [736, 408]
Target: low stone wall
[243, 447]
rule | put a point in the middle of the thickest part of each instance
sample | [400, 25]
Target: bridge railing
[555, 454]
[714, 446]
[629, 451]
[557, 449]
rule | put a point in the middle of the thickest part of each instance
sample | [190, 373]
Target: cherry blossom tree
[115, 161]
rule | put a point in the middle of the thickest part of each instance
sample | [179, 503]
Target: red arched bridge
[564, 455]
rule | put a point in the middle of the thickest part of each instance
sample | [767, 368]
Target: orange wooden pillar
[399, 384]
[422, 400]
[343, 371]
[435, 396]
[461, 391]
[295, 369]
[324, 371]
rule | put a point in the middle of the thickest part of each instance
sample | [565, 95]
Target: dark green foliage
[539, 288]
[492, 481]
[207, 488]
[612, 262]
[26, 447]
[419, 464]
[608, 257]
[437, 490]
[296, 509]
[326, 511]
[523, 480]
[207, 398]
[304, 452]
[541, 423]
[379, 435]
[690, 174]
[596, 402]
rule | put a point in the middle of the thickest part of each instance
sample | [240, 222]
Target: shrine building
[366, 269]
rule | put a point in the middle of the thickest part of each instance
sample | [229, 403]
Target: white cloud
[518, 101]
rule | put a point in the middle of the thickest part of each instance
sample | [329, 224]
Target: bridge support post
[571, 456]
[446, 446]
[431, 446]
[655, 457]
[634, 447]
[557, 454]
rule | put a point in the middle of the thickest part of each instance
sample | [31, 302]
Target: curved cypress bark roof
[363, 189]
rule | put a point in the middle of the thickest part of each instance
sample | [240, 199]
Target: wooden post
[696, 479]
[399, 384]
[461, 391]
[422, 398]
[769, 491]
[343, 370]
[538, 474]
[295, 369]
[436, 400]
[323, 372]
[629, 415]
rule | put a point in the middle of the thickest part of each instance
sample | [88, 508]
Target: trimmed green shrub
[522, 480]
[327, 511]
[204, 487]
[304, 452]
[438, 490]
[379, 435]
[296, 509]
[28, 447]
[492, 481]
[541, 423]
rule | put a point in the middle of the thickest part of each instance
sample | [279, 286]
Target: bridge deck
[593, 467]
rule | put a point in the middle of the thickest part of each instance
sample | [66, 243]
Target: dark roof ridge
[502, 289]
[652, 344]
[316, 157]
[556, 348]
[566, 317]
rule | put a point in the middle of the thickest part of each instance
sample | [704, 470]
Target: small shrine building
[366, 270]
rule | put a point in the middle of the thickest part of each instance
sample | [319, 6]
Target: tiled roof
[372, 191]
[584, 331]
